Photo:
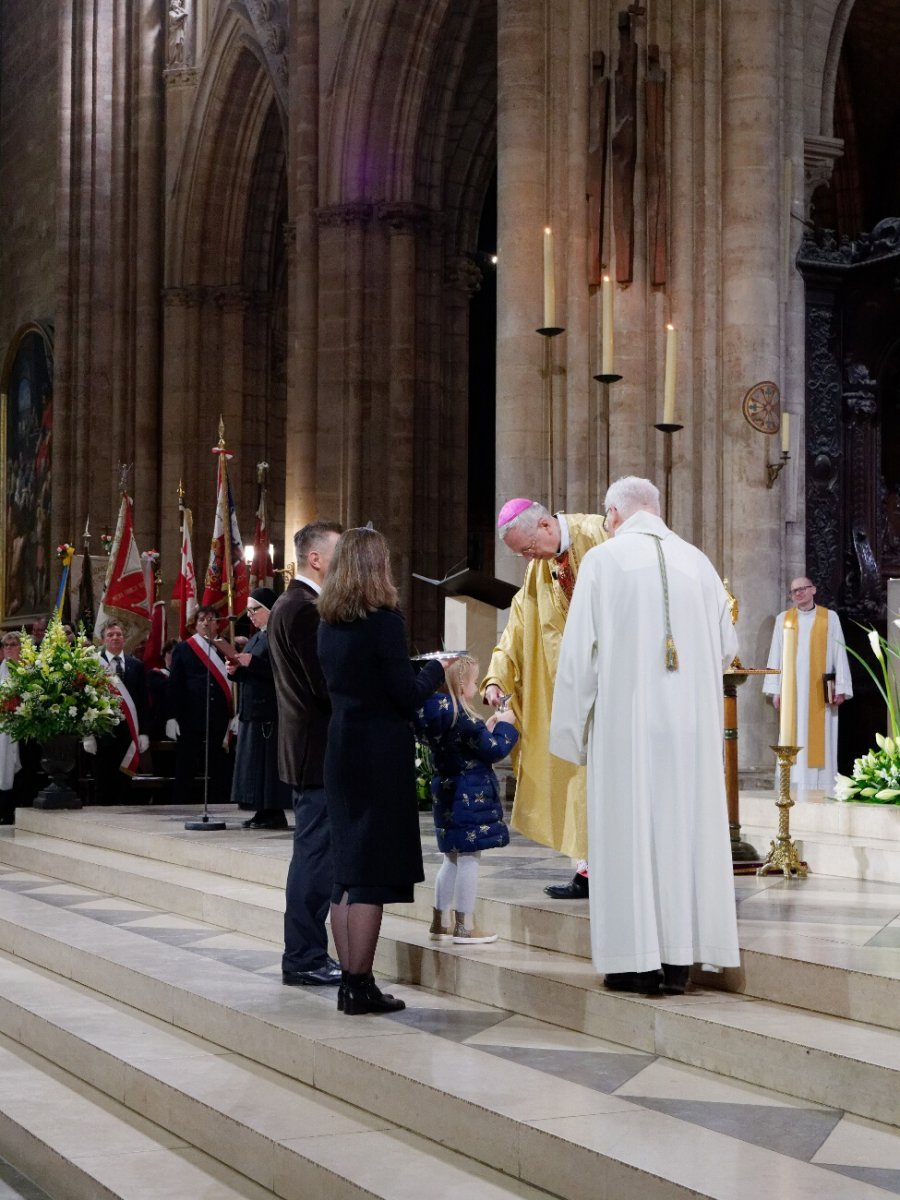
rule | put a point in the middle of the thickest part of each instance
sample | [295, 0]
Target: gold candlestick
[783, 854]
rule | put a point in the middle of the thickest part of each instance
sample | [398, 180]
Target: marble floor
[853, 921]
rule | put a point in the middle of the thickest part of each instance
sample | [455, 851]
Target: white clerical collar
[310, 583]
[564, 540]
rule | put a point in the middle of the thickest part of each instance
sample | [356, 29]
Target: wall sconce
[773, 470]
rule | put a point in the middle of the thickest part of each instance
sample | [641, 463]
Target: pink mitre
[511, 509]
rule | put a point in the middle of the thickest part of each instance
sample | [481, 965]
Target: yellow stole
[815, 726]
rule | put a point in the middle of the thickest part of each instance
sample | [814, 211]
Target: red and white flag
[125, 592]
[185, 590]
[226, 553]
[159, 635]
[261, 568]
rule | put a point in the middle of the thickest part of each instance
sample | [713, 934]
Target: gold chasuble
[818, 646]
[550, 806]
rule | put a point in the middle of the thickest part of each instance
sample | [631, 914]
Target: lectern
[471, 602]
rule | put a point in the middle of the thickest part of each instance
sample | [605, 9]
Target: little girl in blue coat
[468, 815]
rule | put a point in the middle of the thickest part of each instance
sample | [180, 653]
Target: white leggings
[457, 882]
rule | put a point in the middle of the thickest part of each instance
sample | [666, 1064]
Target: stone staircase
[149, 1048]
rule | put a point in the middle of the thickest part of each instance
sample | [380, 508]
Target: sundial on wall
[762, 407]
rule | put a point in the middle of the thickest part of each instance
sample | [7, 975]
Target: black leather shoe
[267, 819]
[328, 975]
[640, 983]
[675, 979]
[578, 889]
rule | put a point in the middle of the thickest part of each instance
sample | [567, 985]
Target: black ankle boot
[362, 995]
[342, 990]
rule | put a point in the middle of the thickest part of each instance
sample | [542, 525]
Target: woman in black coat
[370, 761]
[256, 784]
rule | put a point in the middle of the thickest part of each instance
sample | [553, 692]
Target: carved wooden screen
[853, 442]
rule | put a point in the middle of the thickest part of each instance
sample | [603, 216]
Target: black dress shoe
[640, 983]
[328, 975]
[269, 818]
[675, 979]
[578, 889]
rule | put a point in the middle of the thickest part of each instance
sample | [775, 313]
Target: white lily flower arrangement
[57, 688]
[876, 775]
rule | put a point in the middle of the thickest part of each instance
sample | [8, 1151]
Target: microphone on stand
[205, 822]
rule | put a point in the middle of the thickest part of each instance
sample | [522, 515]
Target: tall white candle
[788, 681]
[608, 333]
[549, 281]
[785, 433]
[671, 371]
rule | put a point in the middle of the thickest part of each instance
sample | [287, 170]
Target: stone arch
[824, 36]
[225, 262]
[212, 182]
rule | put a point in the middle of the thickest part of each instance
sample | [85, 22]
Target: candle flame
[670, 325]
[606, 279]
[547, 229]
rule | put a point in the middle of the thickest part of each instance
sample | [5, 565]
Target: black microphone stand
[205, 822]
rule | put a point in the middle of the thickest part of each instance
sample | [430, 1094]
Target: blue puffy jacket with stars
[468, 814]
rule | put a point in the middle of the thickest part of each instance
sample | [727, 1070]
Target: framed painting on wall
[26, 427]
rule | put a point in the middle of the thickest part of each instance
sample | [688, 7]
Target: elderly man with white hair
[550, 797]
[639, 697]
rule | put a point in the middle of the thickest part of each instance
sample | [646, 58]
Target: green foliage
[424, 771]
[57, 688]
[876, 775]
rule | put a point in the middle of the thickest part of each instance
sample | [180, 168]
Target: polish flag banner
[226, 553]
[125, 592]
[185, 590]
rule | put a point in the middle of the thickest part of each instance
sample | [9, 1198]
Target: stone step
[77, 1143]
[215, 1020]
[809, 972]
[848, 1065]
[286, 1137]
[850, 841]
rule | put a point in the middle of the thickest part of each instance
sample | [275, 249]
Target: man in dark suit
[199, 696]
[117, 753]
[303, 714]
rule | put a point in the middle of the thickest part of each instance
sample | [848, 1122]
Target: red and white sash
[211, 658]
[131, 761]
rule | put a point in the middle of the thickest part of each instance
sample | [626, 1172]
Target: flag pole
[227, 547]
[183, 598]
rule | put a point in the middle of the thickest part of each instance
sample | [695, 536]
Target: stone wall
[29, 98]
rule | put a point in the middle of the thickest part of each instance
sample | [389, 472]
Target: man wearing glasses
[823, 684]
[550, 806]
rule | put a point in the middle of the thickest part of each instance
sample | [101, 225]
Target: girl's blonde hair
[454, 678]
[359, 578]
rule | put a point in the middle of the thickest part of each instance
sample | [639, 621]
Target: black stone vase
[59, 755]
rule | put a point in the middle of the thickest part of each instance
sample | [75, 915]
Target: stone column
[232, 303]
[302, 248]
[398, 465]
[342, 238]
[752, 258]
[521, 217]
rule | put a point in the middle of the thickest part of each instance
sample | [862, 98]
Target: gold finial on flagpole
[180, 493]
[86, 536]
[262, 469]
[221, 432]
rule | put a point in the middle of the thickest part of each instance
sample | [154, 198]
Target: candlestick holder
[783, 854]
[773, 470]
[607, 378]
[551, 331]
[669, 430]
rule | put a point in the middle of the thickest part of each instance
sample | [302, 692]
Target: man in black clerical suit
[117, 752]
[303, 714]
[199, 696]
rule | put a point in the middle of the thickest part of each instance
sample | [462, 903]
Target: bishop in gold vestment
[550, 805]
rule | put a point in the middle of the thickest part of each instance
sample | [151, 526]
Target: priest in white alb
[638, 696]
[823, 684]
